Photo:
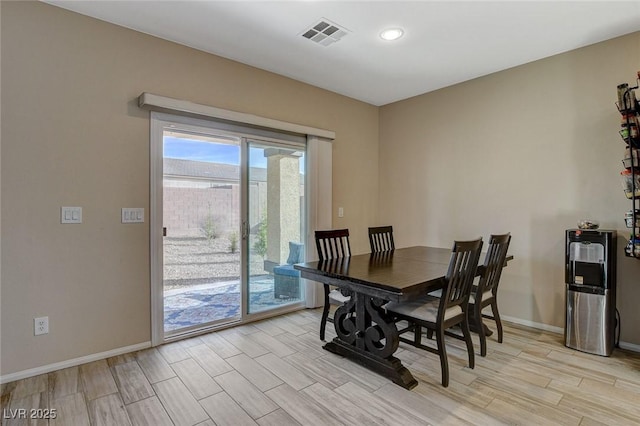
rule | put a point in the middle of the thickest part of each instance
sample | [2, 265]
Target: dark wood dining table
[365, 332]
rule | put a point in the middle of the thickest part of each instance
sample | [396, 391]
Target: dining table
[365, 332]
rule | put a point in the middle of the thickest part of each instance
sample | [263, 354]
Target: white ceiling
[445, 42]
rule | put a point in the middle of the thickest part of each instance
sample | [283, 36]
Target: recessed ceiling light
[391, 34]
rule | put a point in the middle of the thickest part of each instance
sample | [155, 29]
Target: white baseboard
[532, 324]
[72, 362]
[629, 346]
[560, 330]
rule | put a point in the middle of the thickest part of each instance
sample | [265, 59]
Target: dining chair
[439, 314]
[331, 245]
[486, 293]
[381, 239]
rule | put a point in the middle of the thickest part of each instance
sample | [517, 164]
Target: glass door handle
[164, 231]
[245, 230]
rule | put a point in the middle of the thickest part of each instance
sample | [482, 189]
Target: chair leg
[467, 338]
[325, 312]
[429, 334]
[496, 316]
[417, 334]
[442, 350]
[477, 313]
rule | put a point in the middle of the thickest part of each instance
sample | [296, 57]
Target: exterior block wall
[191, 212]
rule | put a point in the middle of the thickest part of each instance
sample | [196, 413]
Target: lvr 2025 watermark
[34, 413]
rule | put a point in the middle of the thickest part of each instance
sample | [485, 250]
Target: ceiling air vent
[325, 32]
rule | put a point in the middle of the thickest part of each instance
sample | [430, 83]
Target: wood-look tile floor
[275, 372]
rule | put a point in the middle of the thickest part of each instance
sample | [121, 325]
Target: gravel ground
[195, 261]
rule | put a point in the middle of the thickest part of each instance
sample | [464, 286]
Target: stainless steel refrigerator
[590, 278]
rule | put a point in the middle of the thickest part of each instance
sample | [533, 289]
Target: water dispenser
[590, 277]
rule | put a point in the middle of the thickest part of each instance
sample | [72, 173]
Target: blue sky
[197, 150]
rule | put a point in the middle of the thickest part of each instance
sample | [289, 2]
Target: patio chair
[286, 279]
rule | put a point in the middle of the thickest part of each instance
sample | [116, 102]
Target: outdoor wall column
[283, 202]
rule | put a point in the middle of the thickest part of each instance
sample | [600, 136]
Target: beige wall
[72, 135]
[530, 150]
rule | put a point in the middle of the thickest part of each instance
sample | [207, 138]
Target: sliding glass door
[227, 223]
[276, 224]
[201, 217]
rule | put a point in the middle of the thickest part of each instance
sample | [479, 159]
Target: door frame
[157, 125]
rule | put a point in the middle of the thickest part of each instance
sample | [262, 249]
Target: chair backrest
[381, 239]
[296, 253]
[459, 278]
[332, 244]
[493, 264]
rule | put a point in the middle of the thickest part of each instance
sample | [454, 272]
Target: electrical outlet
[41, 326]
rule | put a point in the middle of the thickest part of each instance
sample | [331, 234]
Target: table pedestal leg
[390, 368]
[473, 326]
[367, 335]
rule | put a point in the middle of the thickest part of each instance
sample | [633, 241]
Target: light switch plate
[70, 214]
[132, 215]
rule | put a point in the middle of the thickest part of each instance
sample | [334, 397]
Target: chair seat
[337, 297]
[485, 296]
[287, 270]
[424, 308]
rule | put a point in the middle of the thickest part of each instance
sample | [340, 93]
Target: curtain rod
[162, 103]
